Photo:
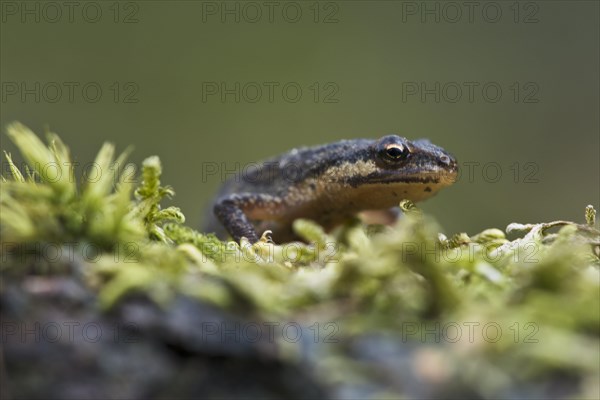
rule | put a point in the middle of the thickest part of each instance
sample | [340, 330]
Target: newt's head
[400, 160]
[394, 168]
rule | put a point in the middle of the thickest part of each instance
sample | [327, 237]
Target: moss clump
[527, 309]
[48, 206]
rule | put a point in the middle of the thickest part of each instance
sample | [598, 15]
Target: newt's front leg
[234, 211]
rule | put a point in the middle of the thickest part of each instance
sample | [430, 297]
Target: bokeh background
[179, 78]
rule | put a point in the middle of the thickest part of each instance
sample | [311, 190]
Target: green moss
[48, 206]
[149, 195]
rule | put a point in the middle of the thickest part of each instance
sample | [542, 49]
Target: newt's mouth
[444, 178]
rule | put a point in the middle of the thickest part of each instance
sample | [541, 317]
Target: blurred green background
[364, 68]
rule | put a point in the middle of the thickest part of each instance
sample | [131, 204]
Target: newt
[329, 184]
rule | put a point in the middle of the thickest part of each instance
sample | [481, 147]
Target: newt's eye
[391, 151]
[396, 152]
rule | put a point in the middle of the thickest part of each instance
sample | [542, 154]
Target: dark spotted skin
[328, 184]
